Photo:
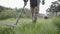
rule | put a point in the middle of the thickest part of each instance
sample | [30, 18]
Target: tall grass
[25, 26]
[6, 30]
[56, 21]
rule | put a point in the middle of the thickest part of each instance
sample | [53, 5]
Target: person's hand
[43, 2]
[25, 0]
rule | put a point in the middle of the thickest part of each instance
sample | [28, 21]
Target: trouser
[34, 12]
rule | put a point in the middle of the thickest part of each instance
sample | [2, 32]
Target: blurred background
[48, 18]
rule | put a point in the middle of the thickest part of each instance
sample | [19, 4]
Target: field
[25, 26]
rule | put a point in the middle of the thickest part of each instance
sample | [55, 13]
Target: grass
[25, 26]
[56, 21]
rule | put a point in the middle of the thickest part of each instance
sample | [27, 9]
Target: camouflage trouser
[34, 11]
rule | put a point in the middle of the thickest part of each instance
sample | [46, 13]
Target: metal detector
[19, 15]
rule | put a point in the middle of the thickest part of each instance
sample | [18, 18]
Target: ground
[25, 26]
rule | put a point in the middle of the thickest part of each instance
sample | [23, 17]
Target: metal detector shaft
[19, 15]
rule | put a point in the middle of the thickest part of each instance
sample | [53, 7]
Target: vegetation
[54, 7]
[13, 13]
[56, 21]
[6, 30]
[25, 26]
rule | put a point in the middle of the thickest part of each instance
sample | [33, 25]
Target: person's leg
[36, 12]
[32, 12]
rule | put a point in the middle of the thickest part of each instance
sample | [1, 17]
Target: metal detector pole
[20, 13]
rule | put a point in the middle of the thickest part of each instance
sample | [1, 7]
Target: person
[34, 6]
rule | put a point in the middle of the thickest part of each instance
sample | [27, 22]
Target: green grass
[25, 26]
[56, 21]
